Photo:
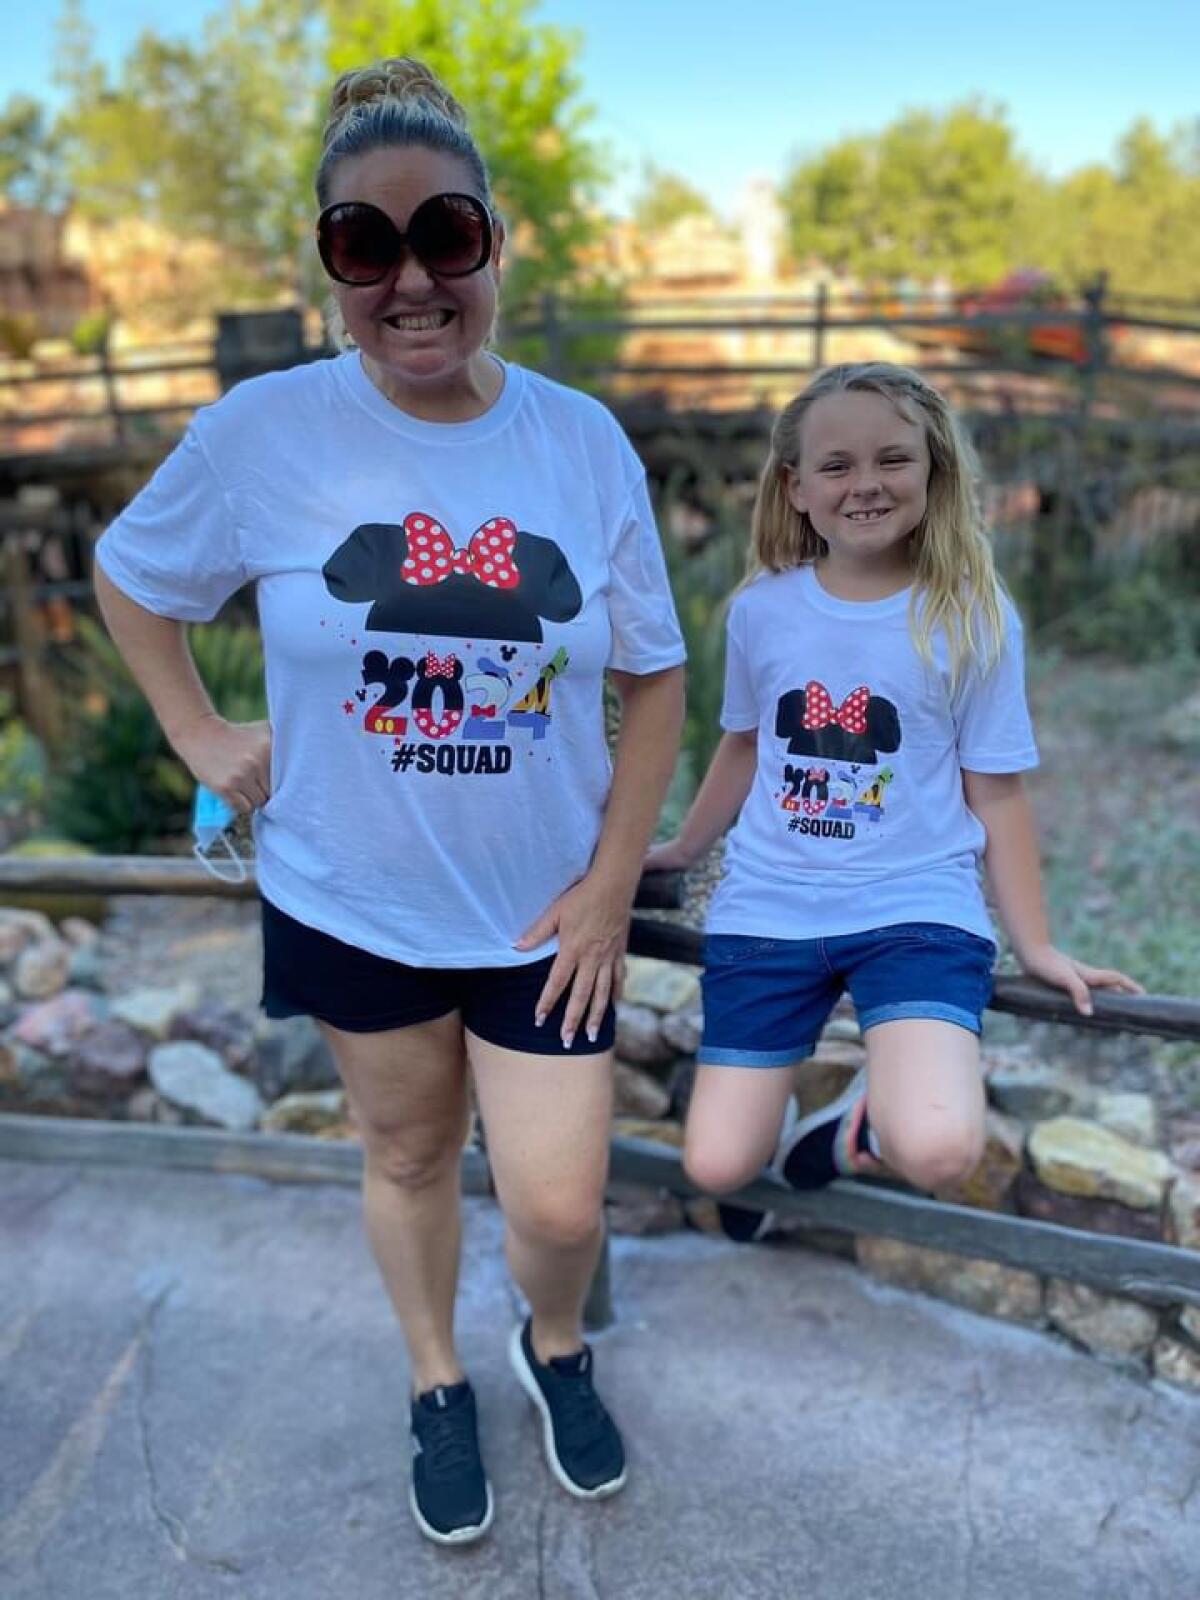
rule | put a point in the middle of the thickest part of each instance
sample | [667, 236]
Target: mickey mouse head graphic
[392, 677]
[857, 729]
[496, 586]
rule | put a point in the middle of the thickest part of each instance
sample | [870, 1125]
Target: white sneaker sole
[529, 1383]
[459, 1535]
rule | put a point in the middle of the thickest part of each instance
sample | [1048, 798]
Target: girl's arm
[1000, 802]
[592, 917]
[719, 799]
[232, 759]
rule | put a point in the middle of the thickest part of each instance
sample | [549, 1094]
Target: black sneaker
[829, 1143]
[583, 1447]
[450, 1496]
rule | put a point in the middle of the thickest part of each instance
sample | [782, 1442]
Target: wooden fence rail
[1160, 1273]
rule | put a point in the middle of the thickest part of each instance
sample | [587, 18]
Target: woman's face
[420, 333]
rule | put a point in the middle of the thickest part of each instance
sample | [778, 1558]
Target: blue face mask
[212, 818]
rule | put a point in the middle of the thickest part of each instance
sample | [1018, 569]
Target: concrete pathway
[202, 1394]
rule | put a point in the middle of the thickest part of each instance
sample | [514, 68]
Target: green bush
[90, 334]
[121, 790]
[22, 765]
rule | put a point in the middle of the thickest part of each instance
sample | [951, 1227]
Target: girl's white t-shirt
[856, 818]
[438, 604]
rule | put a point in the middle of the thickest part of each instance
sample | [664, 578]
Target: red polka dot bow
[440, 666]
[432, 557]
[820, 711]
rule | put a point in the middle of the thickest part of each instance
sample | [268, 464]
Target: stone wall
[1057, 1148]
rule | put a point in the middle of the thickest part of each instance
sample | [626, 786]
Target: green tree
[933, 194]
[518, 80]
[204, 139]
[28, 154]
[664, 198]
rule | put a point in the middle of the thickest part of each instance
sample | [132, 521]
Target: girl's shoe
[829, 1143]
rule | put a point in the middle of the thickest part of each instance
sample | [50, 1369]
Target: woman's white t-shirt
[856, 818]
[438, 604]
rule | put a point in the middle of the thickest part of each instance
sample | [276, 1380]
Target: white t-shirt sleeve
[995, 733]
[641, 610]
[175, 548]
[739, 709]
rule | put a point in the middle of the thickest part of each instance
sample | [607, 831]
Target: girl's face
[422, 337]
[863, 478]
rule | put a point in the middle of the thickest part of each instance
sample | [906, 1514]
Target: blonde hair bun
[399, 79]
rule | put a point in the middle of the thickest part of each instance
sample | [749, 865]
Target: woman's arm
[232, 759]
[1001, 803]
[718, 800]
[592, 917]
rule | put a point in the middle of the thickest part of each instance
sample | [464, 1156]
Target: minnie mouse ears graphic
[857, 729]
[496, 586]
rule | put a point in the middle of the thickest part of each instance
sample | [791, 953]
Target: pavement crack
[976, 1410]
[174, 1528]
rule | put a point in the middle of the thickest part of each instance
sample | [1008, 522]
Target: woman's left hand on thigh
[591, 920]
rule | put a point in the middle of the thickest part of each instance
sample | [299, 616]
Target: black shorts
[309, 973]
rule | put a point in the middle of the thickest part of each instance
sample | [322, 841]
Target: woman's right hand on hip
[233, 759]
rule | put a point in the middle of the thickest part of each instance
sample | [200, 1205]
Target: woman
[449, 553]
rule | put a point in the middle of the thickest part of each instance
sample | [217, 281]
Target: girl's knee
[937, 1157]
[715, 1168]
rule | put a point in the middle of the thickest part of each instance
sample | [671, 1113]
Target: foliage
[218, 140]
[22, 764]
[518, 82]
[28, 154]
[664, 198]
[203, 139]
[90, 334]
[121, 789]
[932, 195]
[18, 335]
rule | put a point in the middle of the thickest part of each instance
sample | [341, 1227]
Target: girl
[875, 735]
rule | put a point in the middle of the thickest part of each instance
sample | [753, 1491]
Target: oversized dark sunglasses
[450, 235]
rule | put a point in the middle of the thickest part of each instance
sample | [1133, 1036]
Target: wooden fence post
[38, 703]
[819, 329]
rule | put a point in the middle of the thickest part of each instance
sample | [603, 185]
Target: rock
[194, 1078]
[19, 929]
[152, 1010]
[145, 1105]
[983, 1286]
[820, 1080]
[79, 933]
[1183, 1212]
[680, 1084]
[109, 1061]
[636, 1094]
[84, 967]
[700, 1212]
[660, 985]
[290, 1053]
[35, 1075]
[1131, 1116]
[1104, 1324]
[228, 1032]
[992, 1185]
[56, 1026]
[645, 1214]
[1033, 1091]
[1082, 1158]
[41, 970]
[639, 1036]
[848, 1053]
[842, 1028]
[683, 1030]
[1177, 1363]
[315, 1111]
[637, 1128]
[1034, 1199]
[8, 1066]
[1189, 1321]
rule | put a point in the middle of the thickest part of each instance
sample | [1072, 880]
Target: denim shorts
[766, 1000]
[309, 973]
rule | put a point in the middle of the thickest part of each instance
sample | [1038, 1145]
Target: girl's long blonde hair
[955, 586]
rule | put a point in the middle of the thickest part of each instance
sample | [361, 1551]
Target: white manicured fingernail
[538, 1018]
[593, 1034]
[568, 1040]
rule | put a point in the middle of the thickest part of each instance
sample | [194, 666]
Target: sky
[721, 91]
